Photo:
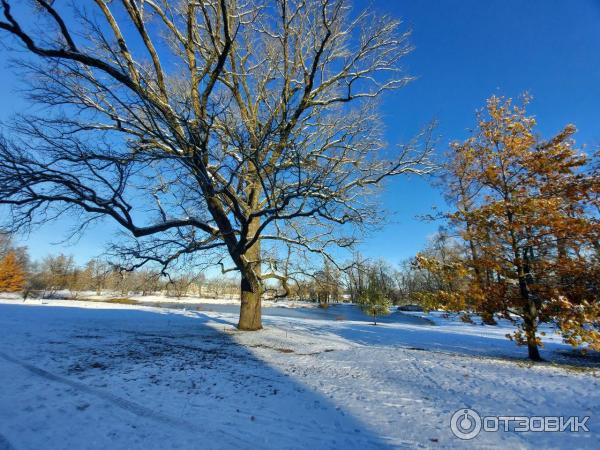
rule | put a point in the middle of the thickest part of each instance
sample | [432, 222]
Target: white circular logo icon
[465, 424]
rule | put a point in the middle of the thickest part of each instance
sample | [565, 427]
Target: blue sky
[465, 51]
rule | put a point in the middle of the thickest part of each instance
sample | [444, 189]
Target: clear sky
[465, 51]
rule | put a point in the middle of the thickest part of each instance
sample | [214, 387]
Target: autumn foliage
[527, 212]
[12, 273]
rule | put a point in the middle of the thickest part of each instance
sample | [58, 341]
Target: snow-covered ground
[94, 375]
[156, 298]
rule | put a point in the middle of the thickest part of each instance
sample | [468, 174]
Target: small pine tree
[374, 301]
[12, 274]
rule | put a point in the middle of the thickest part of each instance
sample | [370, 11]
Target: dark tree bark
[250, 309]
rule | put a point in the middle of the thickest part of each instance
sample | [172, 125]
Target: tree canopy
[245, 131]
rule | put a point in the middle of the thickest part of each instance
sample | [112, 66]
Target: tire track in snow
[122, 403]
[230, 436]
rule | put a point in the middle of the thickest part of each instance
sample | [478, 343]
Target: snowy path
[118, 376]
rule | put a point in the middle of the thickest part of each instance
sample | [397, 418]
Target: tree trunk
[532, 347]
[530, 320]
[251, 285]
[531, 315]
[250, 309]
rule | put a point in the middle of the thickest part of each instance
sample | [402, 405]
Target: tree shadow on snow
[171, 373]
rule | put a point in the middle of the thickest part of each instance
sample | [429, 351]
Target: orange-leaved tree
[525, 210]
[12, 273]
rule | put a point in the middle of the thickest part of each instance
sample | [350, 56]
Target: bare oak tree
[240, 128]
